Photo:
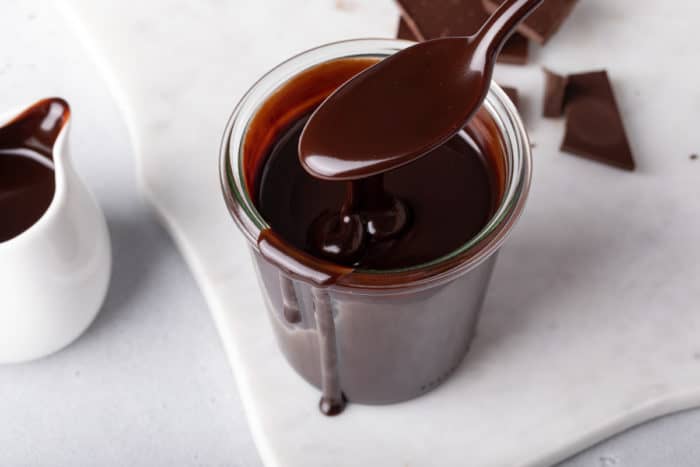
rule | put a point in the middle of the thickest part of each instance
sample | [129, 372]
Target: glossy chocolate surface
[449, 197]
[27, 182]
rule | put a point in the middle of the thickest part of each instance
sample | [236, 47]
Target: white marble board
[592, 323]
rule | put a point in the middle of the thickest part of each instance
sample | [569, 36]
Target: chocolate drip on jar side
[332, 401]
[290, 304]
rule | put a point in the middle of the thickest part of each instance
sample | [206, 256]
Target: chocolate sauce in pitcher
[27, 183]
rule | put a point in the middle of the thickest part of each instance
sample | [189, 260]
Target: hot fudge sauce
[448, 195]
[406, 217]
[27, 182]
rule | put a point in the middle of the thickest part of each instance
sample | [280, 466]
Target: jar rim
[501, 110]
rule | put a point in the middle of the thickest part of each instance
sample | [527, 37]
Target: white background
[148, 384]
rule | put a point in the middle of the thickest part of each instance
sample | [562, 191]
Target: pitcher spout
[38, 128]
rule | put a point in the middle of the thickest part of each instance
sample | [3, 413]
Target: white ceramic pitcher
[54, 275]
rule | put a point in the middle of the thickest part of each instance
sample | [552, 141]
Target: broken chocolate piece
[431, 19]
[512, 94]
[554, 94]
[345, 5]
[404, 31]
[544, 22]
[594, 127]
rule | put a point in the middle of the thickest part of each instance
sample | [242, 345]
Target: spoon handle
[502, 23]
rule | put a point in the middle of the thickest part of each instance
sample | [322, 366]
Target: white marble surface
[147, 385]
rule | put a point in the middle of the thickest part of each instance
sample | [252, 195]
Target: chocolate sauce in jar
[408, 104]
[444, 200]
[449, 194]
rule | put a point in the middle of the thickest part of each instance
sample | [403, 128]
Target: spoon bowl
[408, 104]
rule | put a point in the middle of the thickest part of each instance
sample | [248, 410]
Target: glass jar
[395, 334]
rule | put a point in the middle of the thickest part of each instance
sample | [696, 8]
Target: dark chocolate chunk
[541, 25]
[513, 94]
[404, 31]
[554, 94]
[431, 19]
[594, 127]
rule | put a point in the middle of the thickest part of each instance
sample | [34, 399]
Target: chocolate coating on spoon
[407, 104]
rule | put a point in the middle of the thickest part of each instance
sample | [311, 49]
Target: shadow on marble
[138, 244]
